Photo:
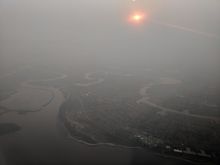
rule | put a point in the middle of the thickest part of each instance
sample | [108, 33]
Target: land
[167, 115]
[164, 112]
[6, 128]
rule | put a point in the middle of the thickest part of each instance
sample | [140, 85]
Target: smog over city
[109, 82]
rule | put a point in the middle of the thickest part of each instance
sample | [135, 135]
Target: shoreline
[113, 145]
[29, 84]
[166, 156]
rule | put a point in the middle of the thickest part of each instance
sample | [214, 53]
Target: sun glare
[137, 17]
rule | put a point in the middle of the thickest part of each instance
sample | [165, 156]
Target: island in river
[153, 113]
[45, 137]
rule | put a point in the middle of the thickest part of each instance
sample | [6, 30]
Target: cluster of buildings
[152, 142]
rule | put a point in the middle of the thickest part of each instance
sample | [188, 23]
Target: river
[42, 140]
[145, 99]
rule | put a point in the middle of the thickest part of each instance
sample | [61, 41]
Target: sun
[137, 18]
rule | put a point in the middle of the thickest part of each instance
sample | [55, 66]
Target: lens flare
[137, 17]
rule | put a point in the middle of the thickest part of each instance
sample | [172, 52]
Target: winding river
[145, 99]
[42, 139]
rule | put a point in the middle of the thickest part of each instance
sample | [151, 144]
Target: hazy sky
[69, 32]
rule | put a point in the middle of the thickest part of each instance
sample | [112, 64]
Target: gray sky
[69, 32]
